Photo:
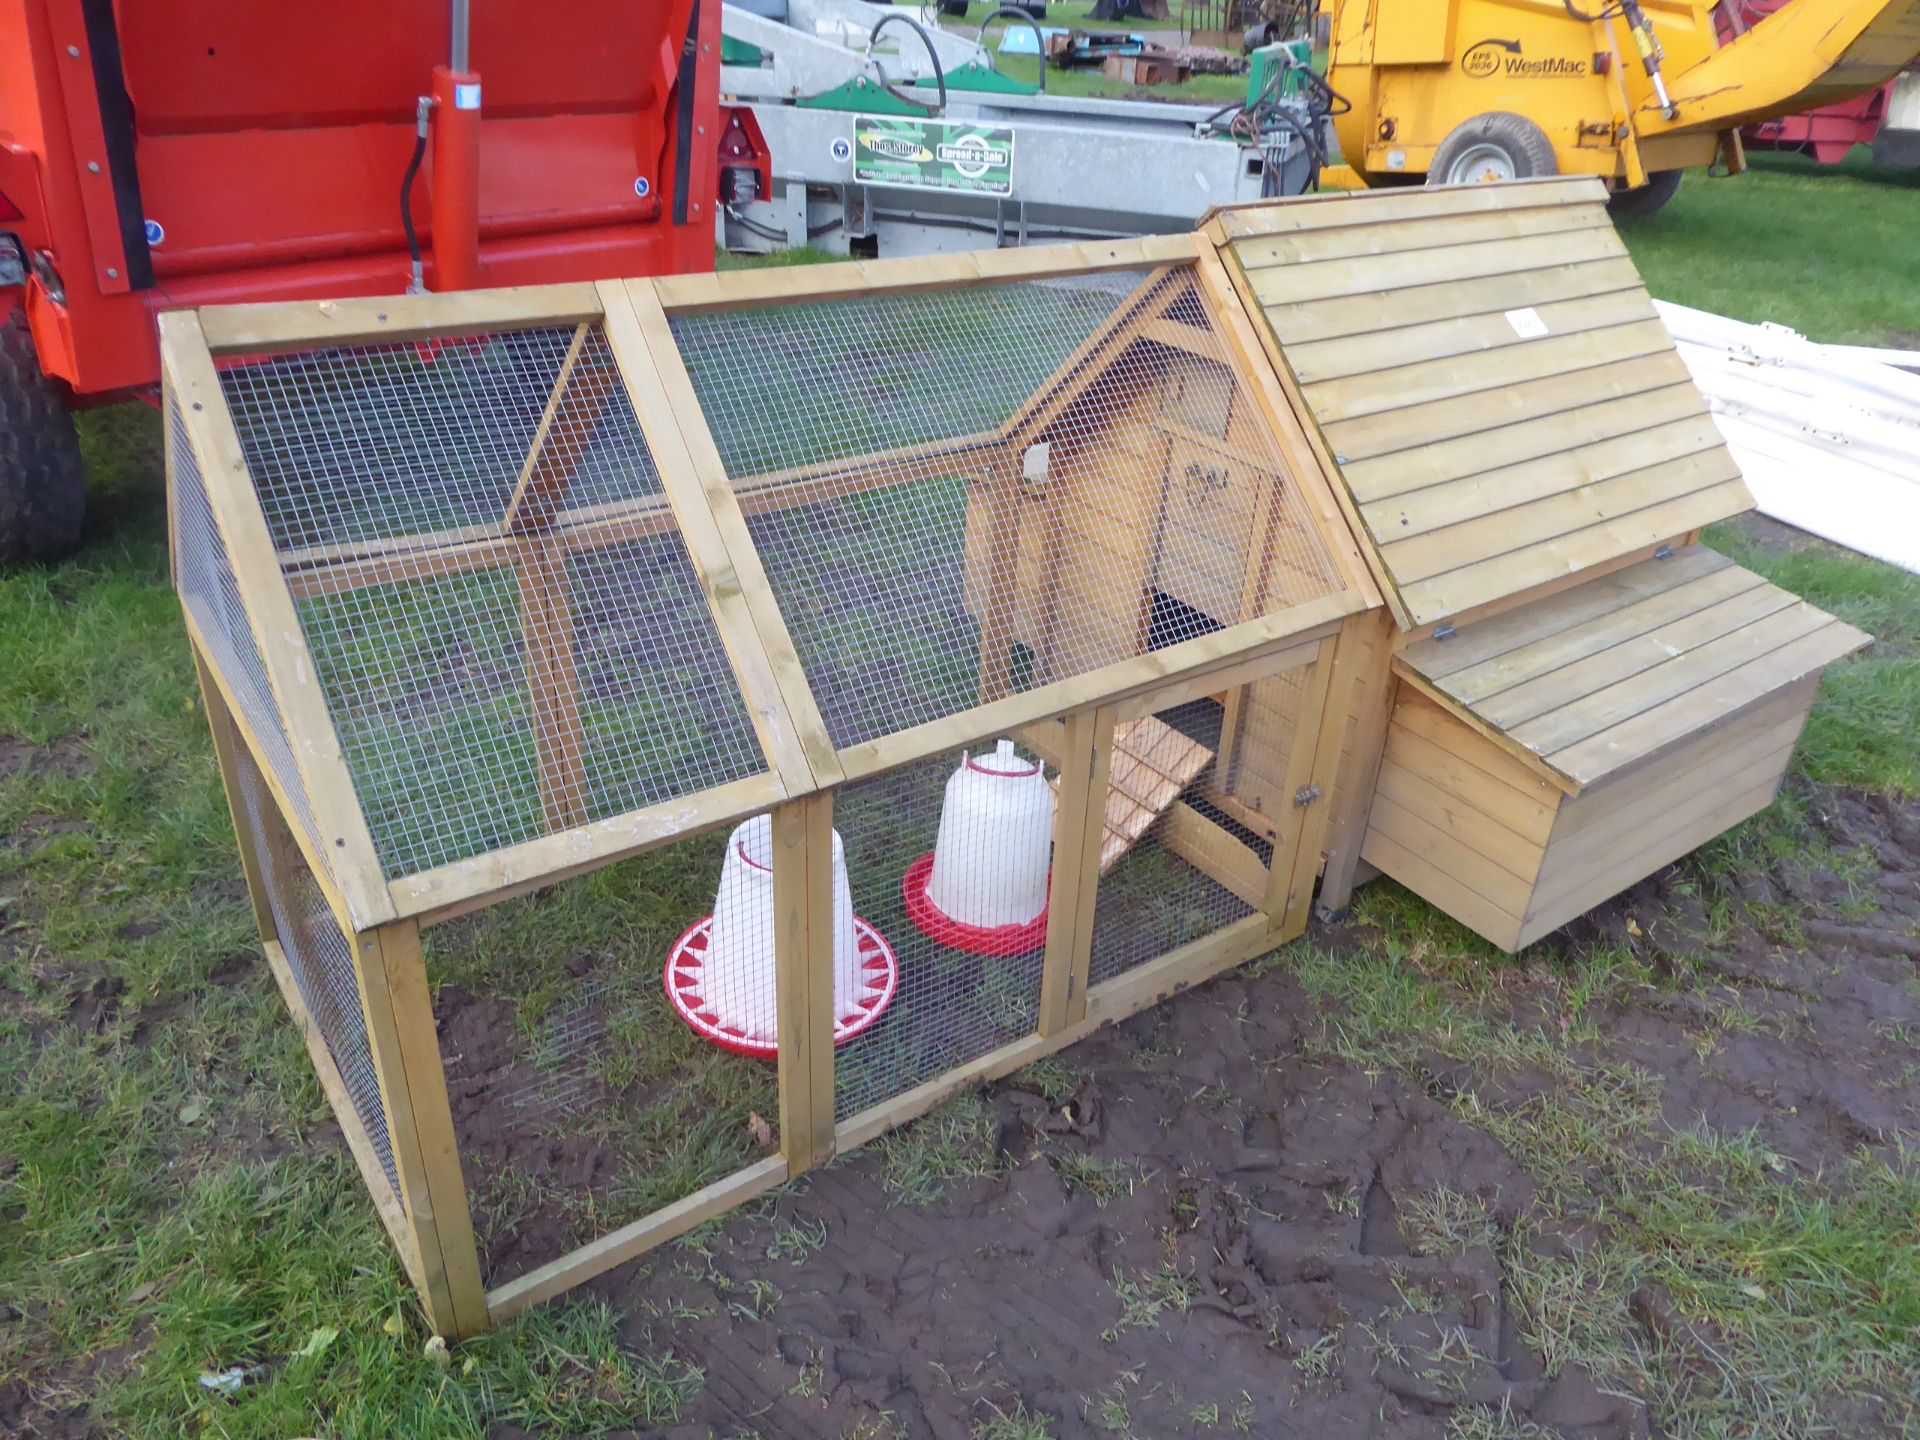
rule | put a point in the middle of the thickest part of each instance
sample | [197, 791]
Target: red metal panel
[82, 108]
[272, 139]
[227, 64]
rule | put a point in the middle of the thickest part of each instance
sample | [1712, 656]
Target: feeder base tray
[754, 1036]
[935, 924]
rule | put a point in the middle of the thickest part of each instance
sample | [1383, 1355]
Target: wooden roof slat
[1320, 361]
[1395, 308]
[1438, 552]
[1569, 682]
[1528, 664]
[1400, 237]
[1505, 407]
[1655, 729]
[1518, 570]
[1583, 679]
[1671, 677]
[1455, 377]
[1547, 438]
[1347, 208]
[1419, 512]
[1331, 279]
[1564, 394]
[1511, 631]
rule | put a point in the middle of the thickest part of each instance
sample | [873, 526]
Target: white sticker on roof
[1527, 323]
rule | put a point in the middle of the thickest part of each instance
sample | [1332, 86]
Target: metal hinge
[1665, 552]
[1306, 795]
[1445, 632]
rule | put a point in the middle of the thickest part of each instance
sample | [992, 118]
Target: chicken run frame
[494, 591]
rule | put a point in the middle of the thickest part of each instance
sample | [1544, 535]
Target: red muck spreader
[181, 153]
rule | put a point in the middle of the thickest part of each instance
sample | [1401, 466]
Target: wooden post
[541, 488]
[767, 668]
[413, 1092]
[1001, 600]
[1079, 826]
[351, 859]
[546, 588]
[1311, 773]
[803, 969]
[553, 682]
[1352, 793]
[1297, 796]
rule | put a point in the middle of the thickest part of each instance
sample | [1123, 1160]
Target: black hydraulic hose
[1266, 115]
[406, 192]
[767, 232]
[939, 73]
[1014, 12]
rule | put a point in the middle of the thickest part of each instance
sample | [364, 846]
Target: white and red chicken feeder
[984, 889]
[720, 974]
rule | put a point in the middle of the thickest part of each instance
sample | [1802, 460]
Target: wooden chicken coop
[1574, 692]
[539, 628]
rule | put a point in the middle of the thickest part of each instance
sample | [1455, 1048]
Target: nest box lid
[1503, 403]
[1594, 680]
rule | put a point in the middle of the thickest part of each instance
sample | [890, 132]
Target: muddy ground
[1210, 1229]
[1252, 1271]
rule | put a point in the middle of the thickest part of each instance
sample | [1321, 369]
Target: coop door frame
[1080, 741]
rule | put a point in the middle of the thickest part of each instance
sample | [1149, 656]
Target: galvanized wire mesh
[208, 590]
[1164, 886]
[969, 973]
[404, 442]
[582, 1096]
[509, 633]
[963, 492]
[1265, 723]
[321, 958]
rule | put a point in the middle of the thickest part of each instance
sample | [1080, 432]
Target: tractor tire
[42, 484]
[1491, 148]
[1649, 198]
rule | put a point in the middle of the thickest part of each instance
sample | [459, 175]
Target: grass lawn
[174, 1199]
[1831, 252]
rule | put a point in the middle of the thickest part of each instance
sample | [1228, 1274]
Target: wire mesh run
[204, 578]
[411, 442]
[581, 1037]
[510, 636]
[321, 958]
[950, 861]
[962, 493]
[1173, 868]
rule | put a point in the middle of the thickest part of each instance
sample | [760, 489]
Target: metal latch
[1305, 796]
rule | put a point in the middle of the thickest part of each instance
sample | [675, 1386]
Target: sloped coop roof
[1504, 405]
[507, 585]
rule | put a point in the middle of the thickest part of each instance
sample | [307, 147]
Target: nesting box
[492, 592]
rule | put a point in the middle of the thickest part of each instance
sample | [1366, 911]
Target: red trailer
[1827, 134]
[189, 152]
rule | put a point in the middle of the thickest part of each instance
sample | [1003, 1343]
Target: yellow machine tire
[1644, 201]
[1503, 145]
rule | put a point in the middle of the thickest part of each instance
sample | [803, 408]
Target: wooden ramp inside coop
[1153, 763]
